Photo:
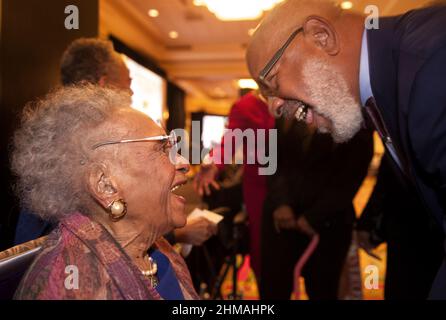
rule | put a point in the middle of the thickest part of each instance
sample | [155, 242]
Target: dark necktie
[374, 119]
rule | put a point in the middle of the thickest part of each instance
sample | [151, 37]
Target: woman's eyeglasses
[171, 138]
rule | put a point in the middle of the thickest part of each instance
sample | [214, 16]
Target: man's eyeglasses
[171, 138]
[264, 73]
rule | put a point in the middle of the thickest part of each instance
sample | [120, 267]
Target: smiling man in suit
[322, 65]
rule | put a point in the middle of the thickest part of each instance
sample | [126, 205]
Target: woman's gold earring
[117, 209]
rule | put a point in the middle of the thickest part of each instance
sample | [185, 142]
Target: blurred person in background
[311, 193]
[249, 112]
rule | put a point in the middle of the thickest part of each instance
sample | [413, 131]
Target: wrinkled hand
[365, 244]
[284, 218]
[196, 231]
[206, 177]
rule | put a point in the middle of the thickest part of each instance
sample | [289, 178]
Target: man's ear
[101, 185]
[323, 34]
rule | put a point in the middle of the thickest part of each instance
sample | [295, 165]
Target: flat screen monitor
[213, 130]
[148, 91]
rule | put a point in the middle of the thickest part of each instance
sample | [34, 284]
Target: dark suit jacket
[317, 177]
[396, 215]
[407, 57]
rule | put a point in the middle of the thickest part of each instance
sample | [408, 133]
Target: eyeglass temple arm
[157, 138]
[264, 73]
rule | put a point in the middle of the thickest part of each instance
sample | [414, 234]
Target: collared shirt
[365, 86]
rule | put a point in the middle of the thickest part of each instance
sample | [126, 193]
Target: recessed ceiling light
[173, 34]
[347, 5]
[236, 10]
[153, 13]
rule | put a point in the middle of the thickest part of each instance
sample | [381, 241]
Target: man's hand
[304, 227]
[284, 218]
[365, 244]
[206, 177]
[196, 231]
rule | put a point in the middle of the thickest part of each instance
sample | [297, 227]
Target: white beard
[331, 97]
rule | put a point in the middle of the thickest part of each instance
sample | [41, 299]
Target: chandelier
[235, 10]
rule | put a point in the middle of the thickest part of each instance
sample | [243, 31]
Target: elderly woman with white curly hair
[106, 173]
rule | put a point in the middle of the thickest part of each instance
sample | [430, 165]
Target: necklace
[151, 272]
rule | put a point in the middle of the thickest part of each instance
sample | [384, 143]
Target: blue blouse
[168, 286]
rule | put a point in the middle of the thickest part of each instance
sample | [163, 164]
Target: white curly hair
[49, 153]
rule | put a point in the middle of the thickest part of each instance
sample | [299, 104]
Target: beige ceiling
[208, 55]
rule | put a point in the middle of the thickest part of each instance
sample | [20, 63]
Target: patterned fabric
[81, 247]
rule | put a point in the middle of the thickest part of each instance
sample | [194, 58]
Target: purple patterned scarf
[81, 260]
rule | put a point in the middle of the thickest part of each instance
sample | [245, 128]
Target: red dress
[249, 112]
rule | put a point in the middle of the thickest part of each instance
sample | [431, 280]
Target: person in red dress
[249, 112]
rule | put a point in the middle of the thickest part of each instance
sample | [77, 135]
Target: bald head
[281, 22]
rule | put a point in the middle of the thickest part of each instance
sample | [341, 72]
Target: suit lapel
[388, 86]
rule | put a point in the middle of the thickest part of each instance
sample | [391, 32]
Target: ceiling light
[173, 34]
[234, 10]
[346, 5]
[153, 13]
[247, 84]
